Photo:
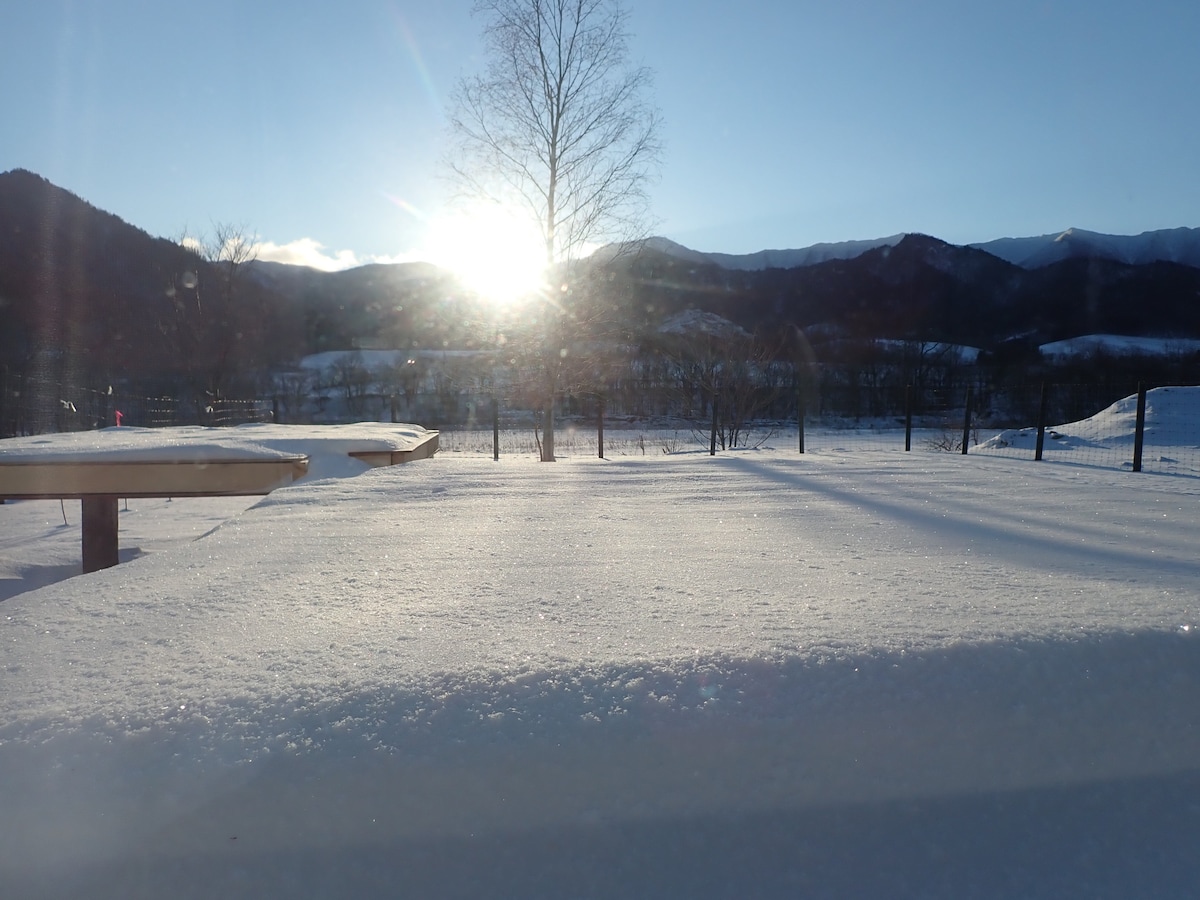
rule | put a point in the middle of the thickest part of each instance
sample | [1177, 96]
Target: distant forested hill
[85, 295]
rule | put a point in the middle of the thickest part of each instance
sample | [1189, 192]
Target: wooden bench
[100, 475]
[423, 449]
[99, 483]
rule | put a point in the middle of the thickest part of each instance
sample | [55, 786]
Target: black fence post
[712, 436]
[1041, 436]
[907, 418]
[600, 426]
[966, 437]
[1139, 433]
[495, 428]
[801, 409]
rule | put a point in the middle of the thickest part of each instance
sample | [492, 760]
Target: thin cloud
[307, 252]
[312, 253]
[395, 259]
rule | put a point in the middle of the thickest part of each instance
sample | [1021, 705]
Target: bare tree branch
[559, 120]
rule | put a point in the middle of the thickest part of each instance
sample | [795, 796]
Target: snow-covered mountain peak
[1178, 245]
[694, 322]
[671, 248]
[766, 259]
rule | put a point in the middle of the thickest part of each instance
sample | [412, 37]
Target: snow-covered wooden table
[100, 467]
[99, 482]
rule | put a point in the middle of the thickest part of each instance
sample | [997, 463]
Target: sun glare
[494, 252]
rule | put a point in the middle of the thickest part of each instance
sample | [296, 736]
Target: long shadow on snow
[1122, 839]
[1047, 768]
[1020, 547]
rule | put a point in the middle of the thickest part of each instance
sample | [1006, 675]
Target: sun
[493, 251]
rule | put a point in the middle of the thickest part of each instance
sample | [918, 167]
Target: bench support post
[99, 532]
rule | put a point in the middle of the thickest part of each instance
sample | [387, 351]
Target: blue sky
[786, 123]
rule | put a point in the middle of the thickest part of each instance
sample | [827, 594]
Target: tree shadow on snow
[1027, 545]
[1042, 768]
[1128, 838]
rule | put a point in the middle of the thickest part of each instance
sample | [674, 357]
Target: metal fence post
[712, 437]
[966, 437]
[495, 428]
[600, 426]
[1139, 434]
[801, 409]
[907, 418]
[1041, 435]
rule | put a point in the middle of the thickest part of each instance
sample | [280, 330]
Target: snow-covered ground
[1170, 443]
[848, 673]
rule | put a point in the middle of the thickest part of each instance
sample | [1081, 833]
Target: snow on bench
[100, 467]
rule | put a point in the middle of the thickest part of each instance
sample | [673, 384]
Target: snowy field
[853, 673]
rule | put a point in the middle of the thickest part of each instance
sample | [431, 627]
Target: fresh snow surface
[759, 674]
[328, 448]
[1171, 437]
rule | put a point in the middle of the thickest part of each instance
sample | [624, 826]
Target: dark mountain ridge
[925, 289]
[83, 291]
[1178, 245]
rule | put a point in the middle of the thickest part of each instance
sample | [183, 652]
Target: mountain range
[917, 287]
[1176, 245]
[83, 291]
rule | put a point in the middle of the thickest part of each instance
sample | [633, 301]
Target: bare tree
[558, 124]
[292, 391]
[726, 374]
[222, 321]
[351, 374]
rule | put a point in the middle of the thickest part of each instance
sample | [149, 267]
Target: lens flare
[493, 251]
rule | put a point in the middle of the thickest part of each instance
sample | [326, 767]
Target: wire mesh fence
[1156, 430]
[1083, 423]
[1151, 430]
[1164, 436]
